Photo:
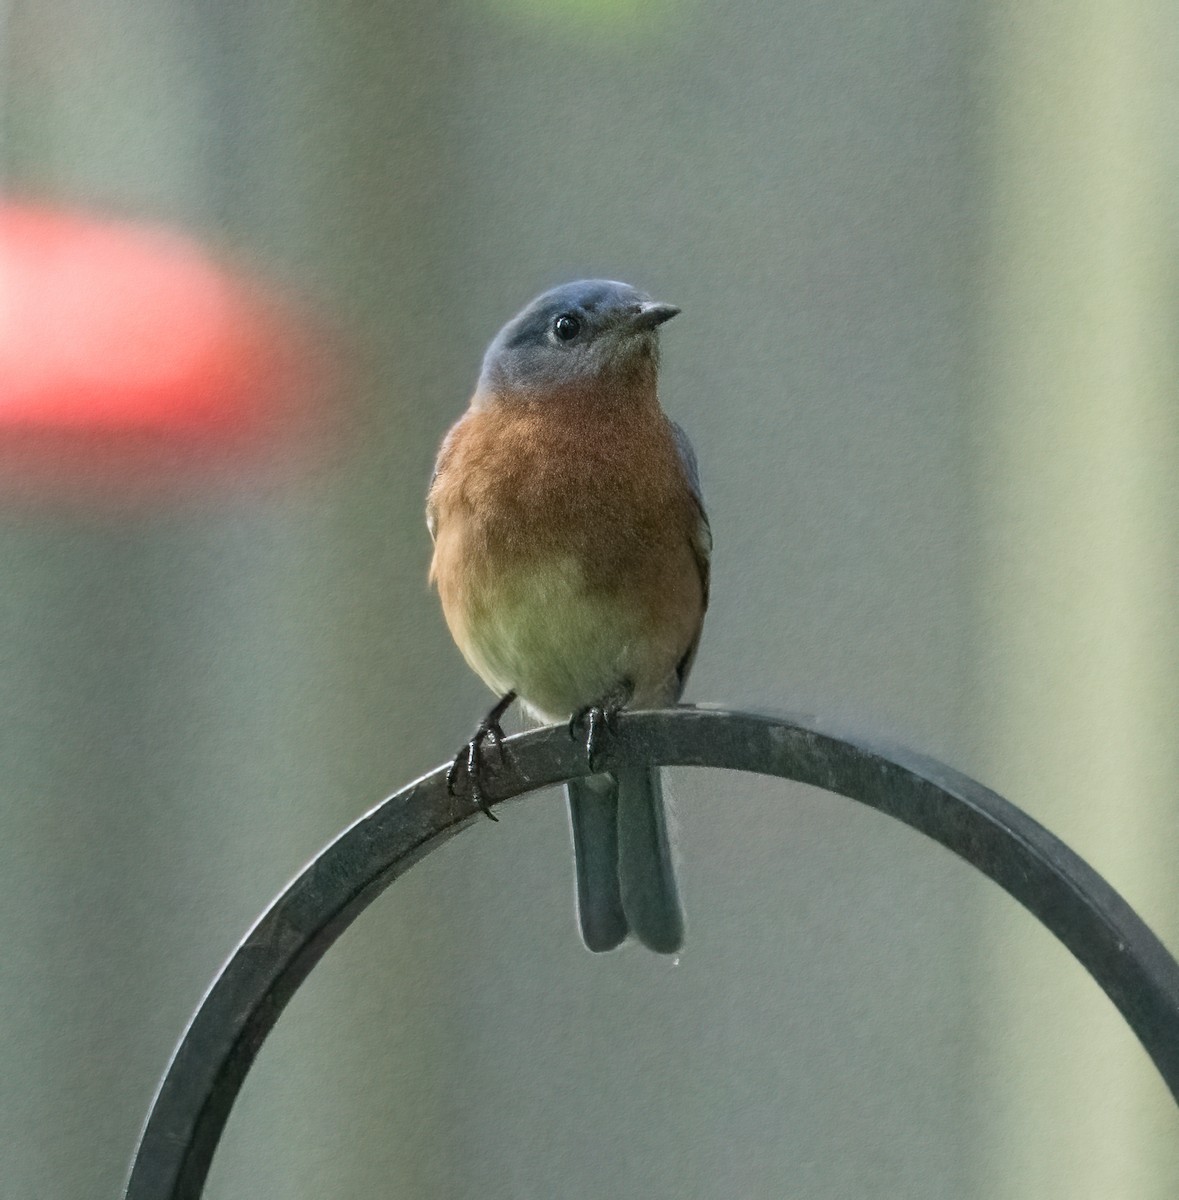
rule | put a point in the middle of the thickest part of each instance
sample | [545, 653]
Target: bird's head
[581, 334]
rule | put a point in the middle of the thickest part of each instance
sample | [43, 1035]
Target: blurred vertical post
[196, 698]
[1078, 469]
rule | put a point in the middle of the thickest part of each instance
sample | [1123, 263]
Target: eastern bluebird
[571, 554]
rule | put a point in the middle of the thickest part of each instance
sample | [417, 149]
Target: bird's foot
[472, 758]
[592, 723]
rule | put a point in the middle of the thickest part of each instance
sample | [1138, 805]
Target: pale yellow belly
[560, 646]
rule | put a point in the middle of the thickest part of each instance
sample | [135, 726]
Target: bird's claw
[588, 724]
[472, 759]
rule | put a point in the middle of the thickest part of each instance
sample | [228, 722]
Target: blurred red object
[130, 361]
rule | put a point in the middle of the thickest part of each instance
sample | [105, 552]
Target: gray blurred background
[926, 257]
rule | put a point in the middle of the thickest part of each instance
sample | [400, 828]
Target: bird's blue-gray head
[575, 335]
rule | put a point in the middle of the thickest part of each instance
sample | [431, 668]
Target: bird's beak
[651, 314]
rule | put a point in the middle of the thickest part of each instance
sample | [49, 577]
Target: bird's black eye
[566, 327]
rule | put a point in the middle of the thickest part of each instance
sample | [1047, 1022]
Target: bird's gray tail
[650, 897]
[593, 813]
[625, 877]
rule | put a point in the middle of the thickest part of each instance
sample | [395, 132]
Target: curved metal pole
[1072, 900]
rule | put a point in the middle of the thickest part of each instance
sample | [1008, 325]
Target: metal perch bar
[1066, 895]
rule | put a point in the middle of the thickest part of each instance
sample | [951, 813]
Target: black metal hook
[1064, 893]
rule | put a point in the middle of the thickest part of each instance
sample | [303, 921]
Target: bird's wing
[701, 541]
[444, 452]
[702, 536]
